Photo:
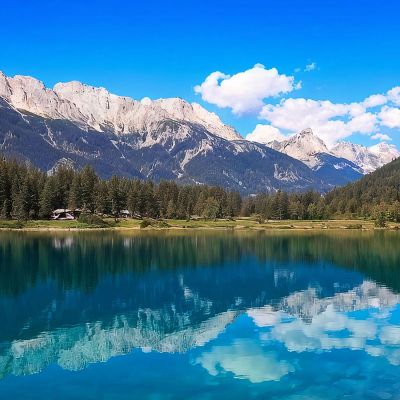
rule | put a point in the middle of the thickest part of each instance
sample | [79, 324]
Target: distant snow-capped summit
[360, 155]
[302, 146]
[368, 158]
[386, 152]
[307, 147]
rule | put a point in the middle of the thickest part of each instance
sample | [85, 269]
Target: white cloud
[390, 117]
[245, 91]
[146, 101]
[310, 67]
[364, 123]
[356, 109]
[265, 134]
[381, 136]
[295, 114]
[374, 101]
[331, 121]
[394, 95]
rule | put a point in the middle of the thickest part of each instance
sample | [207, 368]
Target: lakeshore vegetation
[28, 194]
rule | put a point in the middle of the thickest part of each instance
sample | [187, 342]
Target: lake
[200, 315]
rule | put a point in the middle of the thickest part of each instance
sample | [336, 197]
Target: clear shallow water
[200, 316]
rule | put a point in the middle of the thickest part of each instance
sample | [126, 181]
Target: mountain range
[310, 149]
[77, 124]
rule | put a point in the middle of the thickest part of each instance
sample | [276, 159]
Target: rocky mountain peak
[303, 146]
[101, 110]
[309, 142]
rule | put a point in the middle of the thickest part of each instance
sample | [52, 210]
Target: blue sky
[166, 48]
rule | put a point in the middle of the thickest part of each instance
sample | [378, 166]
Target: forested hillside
[375, 196]
[28, 193]
[376, 193]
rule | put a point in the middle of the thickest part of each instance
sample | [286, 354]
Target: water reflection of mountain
[78, 299]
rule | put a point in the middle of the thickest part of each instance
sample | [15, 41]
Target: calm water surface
[200, 316]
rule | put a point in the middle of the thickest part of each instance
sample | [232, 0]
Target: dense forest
[27, 193]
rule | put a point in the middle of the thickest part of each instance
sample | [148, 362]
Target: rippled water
[200, 315]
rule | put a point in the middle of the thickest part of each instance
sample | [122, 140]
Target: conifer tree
[48, 196]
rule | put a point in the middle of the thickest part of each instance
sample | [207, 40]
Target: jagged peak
[349, 145]
[307, 141]
[306, 132]
[29, 79]
[82, 88]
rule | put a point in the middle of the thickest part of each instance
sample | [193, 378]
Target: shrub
[258, 218]
[145, 223]
[354, 226]
[156, 224]
[380, 221]
[92, 219]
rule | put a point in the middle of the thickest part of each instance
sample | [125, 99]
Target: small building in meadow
[62, 214]
[125, 214]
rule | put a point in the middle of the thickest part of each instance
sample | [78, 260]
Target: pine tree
[48, 196]
[102, 205]
[88, 184]
[21, 204]
[115, 195]
[211, 209]
[75, 193]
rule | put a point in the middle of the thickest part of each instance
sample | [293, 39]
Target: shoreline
[196, 225]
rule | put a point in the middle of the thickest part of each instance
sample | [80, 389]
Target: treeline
[375, 196]
[27, 193]
[282, 205]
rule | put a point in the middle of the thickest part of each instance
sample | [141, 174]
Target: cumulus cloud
[331, 121]
[245, 91]
[381, 136]
[394, 95]
[265, 134]
[249, 91]
[146, 101]
[390, 117]
[374, 101]
[294, 113]
[310, 67]
[364, 123]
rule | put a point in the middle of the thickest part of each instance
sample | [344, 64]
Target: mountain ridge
[306, 146]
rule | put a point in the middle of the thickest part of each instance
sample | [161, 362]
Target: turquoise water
[200, 315]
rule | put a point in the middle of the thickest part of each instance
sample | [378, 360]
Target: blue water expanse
[178, 315]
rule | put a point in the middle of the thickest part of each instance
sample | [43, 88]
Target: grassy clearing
[238, 224]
